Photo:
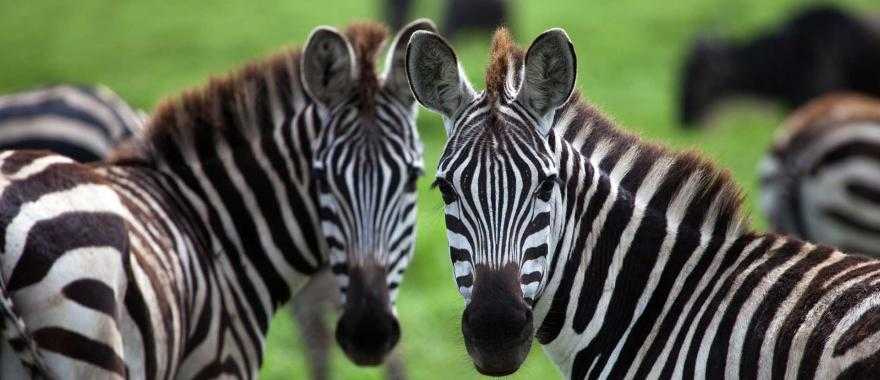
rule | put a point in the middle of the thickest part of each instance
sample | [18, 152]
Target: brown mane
[834, 108]
[239, 101]
[503, 56]
[367, 39]
[582, 123]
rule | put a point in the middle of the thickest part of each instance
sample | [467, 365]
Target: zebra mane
[586, 127]
[367, 39]
[247, 101]
[239, 101]
[505, 58]
[834, 108]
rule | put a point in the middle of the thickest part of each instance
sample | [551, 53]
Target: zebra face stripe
[365, 167]
[498, 182]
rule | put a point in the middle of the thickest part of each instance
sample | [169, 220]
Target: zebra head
[498, 178]
[366, 160]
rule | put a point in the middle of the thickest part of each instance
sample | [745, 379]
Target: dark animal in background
[459, 15]
[820, 50]
[483, 15]
[397, 12]
[821, 179]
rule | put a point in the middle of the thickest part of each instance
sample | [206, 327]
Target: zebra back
[81, 122]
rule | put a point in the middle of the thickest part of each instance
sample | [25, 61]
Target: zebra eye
[446, 190]
[318, 176]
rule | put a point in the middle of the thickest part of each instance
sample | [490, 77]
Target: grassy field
[629, 53]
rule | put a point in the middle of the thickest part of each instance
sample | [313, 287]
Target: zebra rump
[821, 178]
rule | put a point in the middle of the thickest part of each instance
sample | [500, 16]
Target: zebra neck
[624, 228]
[251, 188]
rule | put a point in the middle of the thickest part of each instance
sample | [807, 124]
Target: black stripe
[49, 239]
[79, 347]
[721, 344]
[555, 320]
[852, 221]
[844, 152]
[864, 191]
[52, 107]
[753, 345]
[92, 294]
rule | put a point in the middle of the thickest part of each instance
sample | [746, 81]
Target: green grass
[628, 52]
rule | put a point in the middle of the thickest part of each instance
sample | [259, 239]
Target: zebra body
[169, 260]
[82, 122]
[623, 259]
[819, 180]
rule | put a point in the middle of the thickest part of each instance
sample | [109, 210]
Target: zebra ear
[328, 69]
[550, 71]
[435, 77]
[395, 63]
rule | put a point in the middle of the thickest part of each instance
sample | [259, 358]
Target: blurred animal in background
[485, 15]
[81, 122]
[397, 12]
[85, 122]
[820, 50]
[821, 179]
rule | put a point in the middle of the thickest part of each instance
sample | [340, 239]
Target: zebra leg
[310, 307]
[395, 367]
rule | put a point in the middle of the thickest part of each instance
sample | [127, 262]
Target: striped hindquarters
[62, 265]
[821, 179]
[80, 122]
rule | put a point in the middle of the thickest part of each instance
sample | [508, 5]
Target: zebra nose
[497, 334]
[367, 330]
[367, 336]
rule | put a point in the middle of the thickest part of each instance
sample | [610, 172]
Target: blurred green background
[629, 54]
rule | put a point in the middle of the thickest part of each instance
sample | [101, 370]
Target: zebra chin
[367, 330]
[497, 323]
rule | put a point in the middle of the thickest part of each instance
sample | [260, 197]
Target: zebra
[623, 259]
[79, 121]
[84, 122]
[169, 259]
[819, 180]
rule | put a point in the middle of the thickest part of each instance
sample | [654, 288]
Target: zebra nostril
[367, 337]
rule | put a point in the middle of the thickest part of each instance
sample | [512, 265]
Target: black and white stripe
[169, 260]
[81, 122]
[650, 270]
[821, 179]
